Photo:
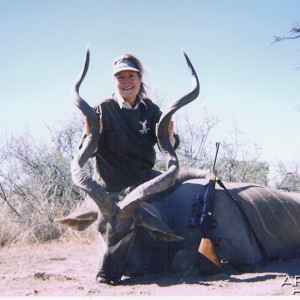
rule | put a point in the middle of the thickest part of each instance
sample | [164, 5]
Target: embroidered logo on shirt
[144, 129]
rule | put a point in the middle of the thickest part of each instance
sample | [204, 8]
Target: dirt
[69, 269]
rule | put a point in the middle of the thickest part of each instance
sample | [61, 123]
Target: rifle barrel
[214, 165]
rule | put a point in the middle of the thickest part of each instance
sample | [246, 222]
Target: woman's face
[128, 85]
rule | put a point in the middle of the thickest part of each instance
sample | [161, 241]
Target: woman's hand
[88, 127]
[171, 133]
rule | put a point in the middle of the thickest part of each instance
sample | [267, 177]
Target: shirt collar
[123, 104]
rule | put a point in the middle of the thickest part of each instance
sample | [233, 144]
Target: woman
[125, 156]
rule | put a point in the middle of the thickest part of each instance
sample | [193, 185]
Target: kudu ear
[150, 219]
[79, 220]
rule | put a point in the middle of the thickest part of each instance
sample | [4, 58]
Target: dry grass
[35, 223]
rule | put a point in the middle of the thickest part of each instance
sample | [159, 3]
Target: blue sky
[245, 79]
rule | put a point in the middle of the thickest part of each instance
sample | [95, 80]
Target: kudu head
[118, 222]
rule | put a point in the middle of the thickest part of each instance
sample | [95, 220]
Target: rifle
[207, 257]
[206, 221]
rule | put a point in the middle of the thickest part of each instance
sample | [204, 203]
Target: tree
[36, 182]
[194, 149]
[288, 177]
[294, 33]
[239, 160]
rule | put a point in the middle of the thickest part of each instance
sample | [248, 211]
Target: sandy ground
[69, 269]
